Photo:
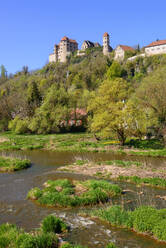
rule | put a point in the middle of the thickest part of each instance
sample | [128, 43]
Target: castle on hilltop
[63, 49]
[68, 46]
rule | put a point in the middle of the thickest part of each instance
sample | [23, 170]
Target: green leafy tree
[108, 109]
[151, 96]
[53, 113]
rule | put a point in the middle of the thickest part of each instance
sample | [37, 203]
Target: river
[15, 208]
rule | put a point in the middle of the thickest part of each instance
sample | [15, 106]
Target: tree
[33, 98]
[3, 76]
[107, 107]
[115, 70]
[25, 70]
[54, 111]
[151, 95]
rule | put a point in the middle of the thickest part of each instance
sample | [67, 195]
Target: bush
[19, 126]
[111, 245]
[53, 224]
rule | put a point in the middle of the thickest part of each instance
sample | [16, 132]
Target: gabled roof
[157, 43]
[126, 48]
[73, 41]
[65, 38]
[89, 43]
[105, 34]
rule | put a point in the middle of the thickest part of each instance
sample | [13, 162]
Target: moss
[70, 194]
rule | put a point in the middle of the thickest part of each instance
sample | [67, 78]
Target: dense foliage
[111, 99]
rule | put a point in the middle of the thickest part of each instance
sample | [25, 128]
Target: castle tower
[106, 43]
[64, 48]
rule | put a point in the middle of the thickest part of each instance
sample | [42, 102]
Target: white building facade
[157, 47]
[120, 52]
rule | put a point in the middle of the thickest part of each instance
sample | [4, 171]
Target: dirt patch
[80, 189]
[3, 139]
[113, 171]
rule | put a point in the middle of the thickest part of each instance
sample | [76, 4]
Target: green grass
[121, 163]
[64, 193]
[45, 237]
[152, 153]
[81, 162]
[8, 164]
[150, 181]
[145, 144]
[144, 219]
[78, 142]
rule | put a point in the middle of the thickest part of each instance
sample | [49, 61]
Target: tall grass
[144, 219]
[150, 181]
[65, 193]
[8, 164]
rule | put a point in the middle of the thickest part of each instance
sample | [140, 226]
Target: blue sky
[30, 28]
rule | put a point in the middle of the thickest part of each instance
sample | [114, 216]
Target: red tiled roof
[126, 48]
[105, 34]
[157, 43]
[65, 38]
[73, 41]
[79, 113]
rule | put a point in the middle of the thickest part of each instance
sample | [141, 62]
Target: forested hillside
[92, 92]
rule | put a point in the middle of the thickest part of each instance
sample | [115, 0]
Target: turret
[106, 43]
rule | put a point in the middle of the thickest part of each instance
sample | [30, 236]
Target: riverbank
[144, 220]
[79, 142]
[50, 234]
[118, 170]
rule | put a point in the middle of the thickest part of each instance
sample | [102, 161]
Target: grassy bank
[145, 219]
[8, 164]
[47, 236]
[80, 142]
[64, 193]
[154, 181]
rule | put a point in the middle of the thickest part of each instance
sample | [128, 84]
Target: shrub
[111, 245]
[19, 126]
[53, 224]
